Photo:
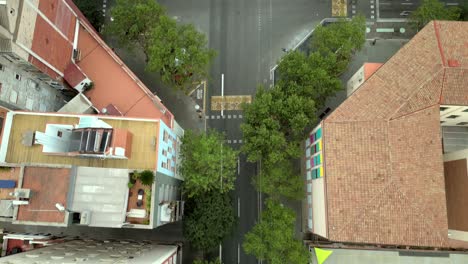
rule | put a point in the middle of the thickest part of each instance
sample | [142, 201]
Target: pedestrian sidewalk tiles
[219, 103]
[339, 8]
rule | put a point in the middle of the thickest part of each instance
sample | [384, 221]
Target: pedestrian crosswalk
[233, 141]
[213, 117]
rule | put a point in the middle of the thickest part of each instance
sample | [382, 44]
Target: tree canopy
[208, 219]
[92, 10]
[271, 120]
[179, 53]
[133, 23]
[272, 239]
[433, 10]
[280, 180]
[311, 77]
[340, 38]
[207, 163]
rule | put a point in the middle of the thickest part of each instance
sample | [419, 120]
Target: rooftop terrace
[143, 153]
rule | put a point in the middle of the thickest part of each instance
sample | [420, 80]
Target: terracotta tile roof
[48, 187]
[114, 82]
[383, 157]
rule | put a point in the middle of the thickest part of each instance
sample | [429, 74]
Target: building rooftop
[48, 186]
[383, 156]
[142, 153]
[55, 36]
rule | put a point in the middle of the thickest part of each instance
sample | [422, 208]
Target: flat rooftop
[48, 186]
[143, 153]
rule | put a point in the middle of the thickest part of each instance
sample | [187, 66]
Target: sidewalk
[389, 30]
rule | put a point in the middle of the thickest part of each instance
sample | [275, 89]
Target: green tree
[133, 23]
[207, 163]
[263, 131]
[179, 53]
[341, 38]
[280, 180]
[311, 77]
[209, 218]
[92, 10]
[433, 10]
[464, 11]
[146, 177]
[272, 239]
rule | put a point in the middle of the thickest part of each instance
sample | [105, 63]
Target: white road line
[224, 117]
[212, 117]
[238, 207]
[234, 116]
[238, 253]
[385, 3]
[240, 141]
[377, 3]
[207, 117]
[238, 165]
[222, 92]
[407, 3]
[220, 252]
[229, 141]
[234, 141]
[218, 117]
[229, 116]
[452, 4]
[240, 116]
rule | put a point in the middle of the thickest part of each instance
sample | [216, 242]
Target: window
[442, 122]
[59, 133]
[443, 108]
[466, 110]
[452, 116]
[2, 68]
[165, 136]
[18, 76]
[164, 152]
[462, 124]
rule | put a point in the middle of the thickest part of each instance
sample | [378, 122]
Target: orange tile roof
[383, 156]
[114, 82]
[48, 187]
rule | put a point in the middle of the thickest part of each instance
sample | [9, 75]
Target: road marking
[217, 117]
[222, 92]
[372, 6]
[385, 30]
[229, 116]
[238, 253]
[212, 117]
[238, 165]
[372, 17]
[407, 3]
[238, 207]
[240, 141]
[229, 141]
[385, 3]
[240, 116]
[452, 4]
[221, 252]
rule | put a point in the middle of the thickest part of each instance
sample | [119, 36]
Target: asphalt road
[249, 36]
[403, 8]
